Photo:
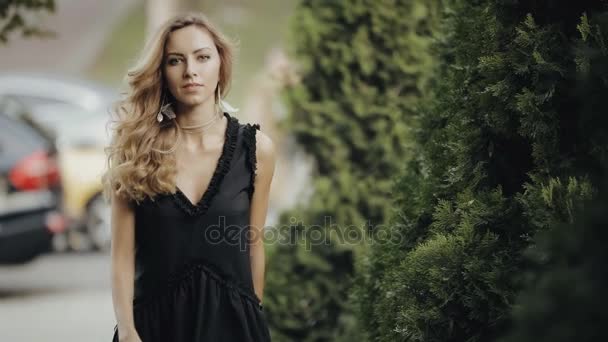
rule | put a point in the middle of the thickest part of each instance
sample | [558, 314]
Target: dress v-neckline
[221, 168]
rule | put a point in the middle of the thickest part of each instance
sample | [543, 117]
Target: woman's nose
[189, 71]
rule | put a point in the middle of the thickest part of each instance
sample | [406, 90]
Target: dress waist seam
[190, 270]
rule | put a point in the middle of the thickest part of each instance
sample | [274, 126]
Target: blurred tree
[158, 11]
[363, 67]
[506, 149]
[14, 17]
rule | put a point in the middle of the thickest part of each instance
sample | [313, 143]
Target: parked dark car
[76, 111]
[30, 191]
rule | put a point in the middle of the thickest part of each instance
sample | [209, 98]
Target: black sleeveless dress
[193, 277]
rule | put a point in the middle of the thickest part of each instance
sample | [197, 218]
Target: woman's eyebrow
[195, 51]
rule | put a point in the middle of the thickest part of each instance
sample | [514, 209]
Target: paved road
[57, 298]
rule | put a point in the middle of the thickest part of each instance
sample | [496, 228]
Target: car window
[17, 139]
[12, 107]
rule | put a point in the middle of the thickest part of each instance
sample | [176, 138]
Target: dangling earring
[223, 105]
[218, 98]
[165, 110]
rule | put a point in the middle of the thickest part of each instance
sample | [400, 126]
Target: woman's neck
[195, 115]
[201, 125]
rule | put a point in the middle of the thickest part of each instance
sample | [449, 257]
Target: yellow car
[80, 141]
[81, 169]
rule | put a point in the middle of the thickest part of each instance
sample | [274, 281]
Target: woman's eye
[204, 57]
[172, 61]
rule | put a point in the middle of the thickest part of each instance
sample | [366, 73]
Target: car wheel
[98, 224]
[60, 242]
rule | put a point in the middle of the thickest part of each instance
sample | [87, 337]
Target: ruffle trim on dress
[188, 273]
[221, 170]
[249, 135]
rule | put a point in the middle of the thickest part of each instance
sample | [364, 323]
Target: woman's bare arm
[123, 267]
[265, 155]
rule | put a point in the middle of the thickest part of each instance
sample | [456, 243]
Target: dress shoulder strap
[249, 137]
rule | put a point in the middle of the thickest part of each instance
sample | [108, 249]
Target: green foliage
[564, 297]
[543, 203]
[14, 17]
[457, 275]
[364, 65]
[305, 288]
[508, 145]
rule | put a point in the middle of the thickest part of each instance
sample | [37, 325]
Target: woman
[188, 185]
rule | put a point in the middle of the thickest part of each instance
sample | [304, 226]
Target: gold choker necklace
[201, 127]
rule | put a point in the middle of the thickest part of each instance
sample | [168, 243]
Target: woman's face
[191, 65]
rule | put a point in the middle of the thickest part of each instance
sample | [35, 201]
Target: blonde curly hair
[136, 165]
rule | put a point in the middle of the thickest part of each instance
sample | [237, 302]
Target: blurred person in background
[189, 187]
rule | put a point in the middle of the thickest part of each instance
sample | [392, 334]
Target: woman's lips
[191, 87]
